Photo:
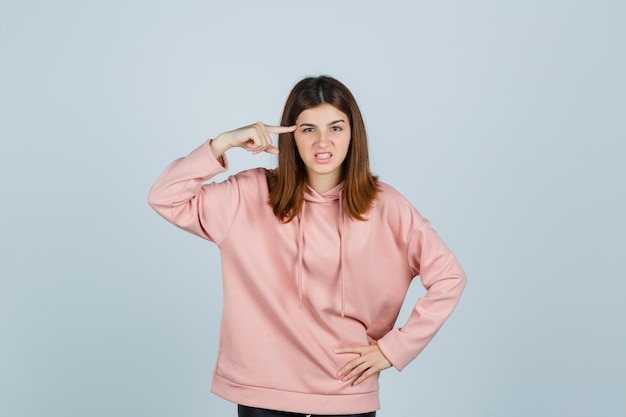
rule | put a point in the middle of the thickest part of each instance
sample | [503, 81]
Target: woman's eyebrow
[329, 124]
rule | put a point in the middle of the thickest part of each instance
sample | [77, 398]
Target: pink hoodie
[295, 292]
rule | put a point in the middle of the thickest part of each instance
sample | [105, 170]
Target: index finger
[279, 129]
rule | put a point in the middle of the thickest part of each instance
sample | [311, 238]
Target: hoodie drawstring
[341, 253]
[300, 251]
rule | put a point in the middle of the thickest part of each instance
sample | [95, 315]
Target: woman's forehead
[322, 115]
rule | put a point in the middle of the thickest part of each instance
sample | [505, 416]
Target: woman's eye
[307, 129]
[336, 128]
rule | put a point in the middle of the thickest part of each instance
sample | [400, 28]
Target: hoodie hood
[331, 195]
[312, 197]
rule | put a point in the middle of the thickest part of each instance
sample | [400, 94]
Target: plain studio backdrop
[503, 122]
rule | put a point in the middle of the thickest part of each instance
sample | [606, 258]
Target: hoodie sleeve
[444, 280]
[181, 197]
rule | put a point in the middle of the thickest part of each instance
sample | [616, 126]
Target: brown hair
[288, 182]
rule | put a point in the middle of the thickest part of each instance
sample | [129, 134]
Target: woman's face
[323, 138]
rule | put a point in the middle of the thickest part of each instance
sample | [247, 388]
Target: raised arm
[180, 195]
[254, 138]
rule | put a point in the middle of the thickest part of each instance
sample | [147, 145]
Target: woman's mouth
[323, 157]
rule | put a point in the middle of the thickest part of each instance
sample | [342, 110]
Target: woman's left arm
[444, 281]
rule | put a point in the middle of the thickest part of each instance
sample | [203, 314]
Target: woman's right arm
[253, 138]
[182, 198]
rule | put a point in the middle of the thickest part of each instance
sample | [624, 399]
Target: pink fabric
[286, 285]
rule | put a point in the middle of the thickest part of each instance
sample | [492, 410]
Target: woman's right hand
[254, 138]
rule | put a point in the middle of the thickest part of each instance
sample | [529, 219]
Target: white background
[502, 121]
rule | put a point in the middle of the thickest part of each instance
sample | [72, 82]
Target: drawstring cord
[341, 253]
[300, 250]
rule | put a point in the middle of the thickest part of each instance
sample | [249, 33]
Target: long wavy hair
[287, 182]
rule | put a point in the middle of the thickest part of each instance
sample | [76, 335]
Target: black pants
[245, 411]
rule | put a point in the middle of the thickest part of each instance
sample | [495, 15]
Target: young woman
[317, 257]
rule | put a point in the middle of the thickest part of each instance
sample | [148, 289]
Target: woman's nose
[323, 140]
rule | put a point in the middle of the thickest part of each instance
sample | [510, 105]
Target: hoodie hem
[295, 402]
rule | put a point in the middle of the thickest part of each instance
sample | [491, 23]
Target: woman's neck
[323, 183]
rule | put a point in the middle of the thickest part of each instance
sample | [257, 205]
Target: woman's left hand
[370, 361]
